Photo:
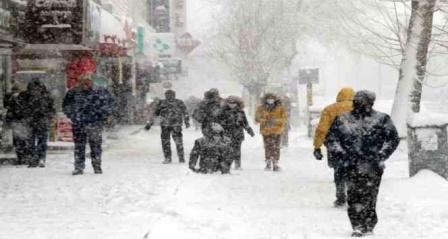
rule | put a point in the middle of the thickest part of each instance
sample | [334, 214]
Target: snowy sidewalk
[137, 194]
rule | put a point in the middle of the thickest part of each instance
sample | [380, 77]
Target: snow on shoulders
[427, 119]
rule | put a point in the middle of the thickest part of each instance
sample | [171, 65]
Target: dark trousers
[92, 134]
[285, 138]
[30, 143]
[272, 147]
[176, 133]
[236, 152]
[339, 181]
[362, 192]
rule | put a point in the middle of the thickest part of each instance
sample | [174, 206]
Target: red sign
[187, 43]
[64, 130]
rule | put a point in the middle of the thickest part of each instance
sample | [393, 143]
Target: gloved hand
[187, 125]
[271, 122]
[318, 154]
[250, 132]
[148, 126]
[110, 120]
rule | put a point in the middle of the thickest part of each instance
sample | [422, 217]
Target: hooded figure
[363, 140]
[272, 117]
[234, 122]
[209, 110]
[34, 109]
[172, 113]
[344, 103]
[213, 152]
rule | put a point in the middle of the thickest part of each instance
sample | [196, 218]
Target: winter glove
[148, 126]
[271, 122]
[250, 132]
[318, 154]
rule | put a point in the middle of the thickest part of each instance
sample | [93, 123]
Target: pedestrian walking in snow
[172, 113]
[363, 140]
[272, 117]
[344, 103]
[89, 108]
[213, 151]
[152, 118]
[192, 104]
[32, 110]
[14, 119]
[210, 110]
[234, 122]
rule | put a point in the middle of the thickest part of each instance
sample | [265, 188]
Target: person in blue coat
[89, 108]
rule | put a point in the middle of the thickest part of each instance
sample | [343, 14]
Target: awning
[56, 47]
[111, 27]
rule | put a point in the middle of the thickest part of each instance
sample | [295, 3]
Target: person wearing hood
[234, 122]
[344, 103]
[14, 119]
[213, 151]
[36, 110]
[362, 140]
[209, 110]
[272, 117]
[172, 113]
[89, 108]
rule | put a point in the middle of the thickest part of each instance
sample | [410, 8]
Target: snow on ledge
[427, 120]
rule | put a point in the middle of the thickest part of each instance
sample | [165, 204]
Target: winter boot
[167, 161]
[97, 170]
[339, 203]
[357, 233]
[276, 167]
[268, 165]
[77, 172]
[41, 164]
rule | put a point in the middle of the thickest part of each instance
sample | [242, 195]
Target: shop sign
[55, 21]
[140, 39]
[187, 43]
[162, 44]
[5, 15]
[179, 13]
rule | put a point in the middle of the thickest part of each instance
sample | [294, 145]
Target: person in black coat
[14, 119]
[34, 108]
[234, 122]
[213, 152]
[209, 110]
[172, 113]
[89, 108]
[362, 140]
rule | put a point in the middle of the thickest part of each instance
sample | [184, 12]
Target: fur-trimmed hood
[277, 99]
[238, 100]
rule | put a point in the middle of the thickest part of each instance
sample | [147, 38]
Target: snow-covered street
[137, 195]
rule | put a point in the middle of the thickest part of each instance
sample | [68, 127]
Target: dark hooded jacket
[33, 109]
[362, 138]
[209, 110]
[234, 120]
[88, 107]
[172, 112]
[213, 154]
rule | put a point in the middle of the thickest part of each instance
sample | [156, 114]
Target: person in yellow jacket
[344, 104]
[272, 117]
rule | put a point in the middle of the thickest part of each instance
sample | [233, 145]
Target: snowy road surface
[137, 194]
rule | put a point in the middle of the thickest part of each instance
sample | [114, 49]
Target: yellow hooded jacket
[278, 114]
[344, 103]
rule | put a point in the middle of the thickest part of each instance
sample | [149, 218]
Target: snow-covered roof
[427, 119]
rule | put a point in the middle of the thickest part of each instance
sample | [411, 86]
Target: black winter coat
[208, 112]
[172, 113]
[234, 122]
[359, 142]
[88, 107]
[213, 156]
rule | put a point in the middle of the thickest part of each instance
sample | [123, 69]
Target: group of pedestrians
[358, 140]
[223, 124]
[29, 113]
